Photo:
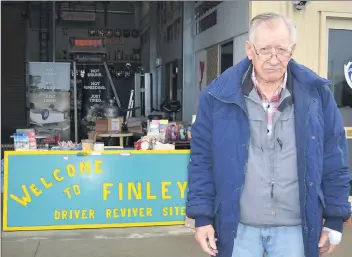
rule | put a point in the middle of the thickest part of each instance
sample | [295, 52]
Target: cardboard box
[109, 125]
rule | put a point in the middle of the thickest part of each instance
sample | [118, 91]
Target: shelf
[108, 62]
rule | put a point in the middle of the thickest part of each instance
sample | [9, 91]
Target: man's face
[271, 50]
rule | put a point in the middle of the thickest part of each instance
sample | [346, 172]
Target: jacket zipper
[272, 183]
[272, 189]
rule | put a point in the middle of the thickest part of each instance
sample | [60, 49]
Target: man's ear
[293, 49]
[249, 51]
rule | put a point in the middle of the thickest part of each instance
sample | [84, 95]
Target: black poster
[94, 94]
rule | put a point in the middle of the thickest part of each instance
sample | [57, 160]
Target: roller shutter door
[13, 83]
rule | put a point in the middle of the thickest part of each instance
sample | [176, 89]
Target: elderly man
[269, 161]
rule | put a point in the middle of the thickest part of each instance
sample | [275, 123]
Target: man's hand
[205, 236]
[325, 246]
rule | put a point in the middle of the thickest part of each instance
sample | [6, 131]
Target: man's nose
[274, 59]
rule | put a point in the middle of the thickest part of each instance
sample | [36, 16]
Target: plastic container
[87, 145]
[16, 141]
[99, 146]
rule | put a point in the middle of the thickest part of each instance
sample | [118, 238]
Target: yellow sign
[348, 132]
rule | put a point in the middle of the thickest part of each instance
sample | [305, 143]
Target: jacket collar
[232, 84]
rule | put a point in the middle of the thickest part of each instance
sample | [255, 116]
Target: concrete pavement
[173, 241]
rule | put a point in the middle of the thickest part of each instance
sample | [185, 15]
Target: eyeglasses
[266, 53]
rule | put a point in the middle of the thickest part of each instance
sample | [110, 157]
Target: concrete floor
[132, 242]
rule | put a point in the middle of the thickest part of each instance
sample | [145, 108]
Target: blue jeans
[274, 241]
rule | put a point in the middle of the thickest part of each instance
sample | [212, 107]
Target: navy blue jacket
[219, 152]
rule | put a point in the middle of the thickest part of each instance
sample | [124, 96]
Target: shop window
[340, 59]
[340, 73]
[206, 15]
[205, 7]
[207, 22]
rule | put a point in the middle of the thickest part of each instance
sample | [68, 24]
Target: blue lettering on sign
[46, 191]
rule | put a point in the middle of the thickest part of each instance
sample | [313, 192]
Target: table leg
[121, 141]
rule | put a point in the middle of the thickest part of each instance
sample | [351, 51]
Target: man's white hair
[269, 16]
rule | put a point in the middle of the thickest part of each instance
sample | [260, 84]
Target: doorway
[171, 78]
[339, 69]
[340, 61]
[226, 56]
[174, 81]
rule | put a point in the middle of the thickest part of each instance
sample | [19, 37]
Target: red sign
[88, 42]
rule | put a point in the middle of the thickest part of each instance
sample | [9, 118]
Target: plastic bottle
[182, 133]
[189, 135]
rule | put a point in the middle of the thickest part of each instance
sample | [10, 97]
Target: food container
[99, 146]
[87, 144]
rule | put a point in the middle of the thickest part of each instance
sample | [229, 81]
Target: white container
[99, 146]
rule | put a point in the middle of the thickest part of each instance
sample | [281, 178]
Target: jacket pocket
[321, 196]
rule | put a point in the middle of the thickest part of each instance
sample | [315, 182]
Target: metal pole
[75, 100]
[112, 85]
[54, 31]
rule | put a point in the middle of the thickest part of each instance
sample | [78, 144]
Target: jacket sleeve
[200, 197]
[336, 175]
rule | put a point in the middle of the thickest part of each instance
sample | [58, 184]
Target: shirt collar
[277, 94]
